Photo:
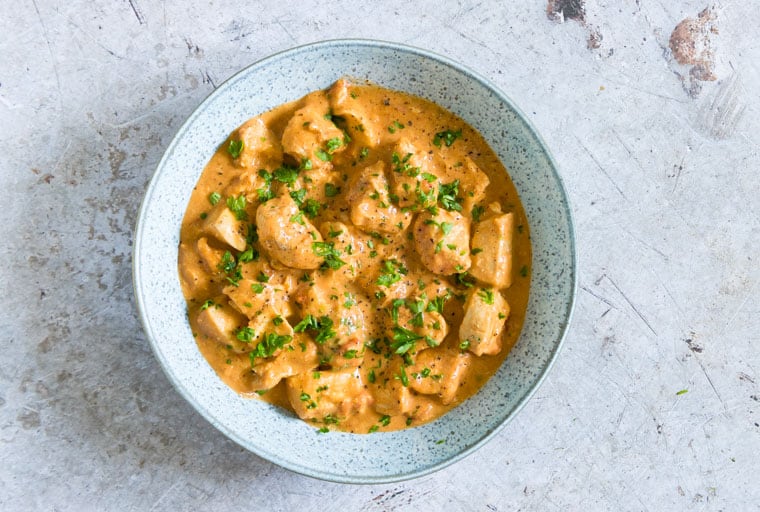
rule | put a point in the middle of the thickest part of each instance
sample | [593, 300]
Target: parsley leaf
[477, 211]
[235, 148]
[311, 208]
[447, 195]
[286, 174]
[214, 198]
[486, 296]
[333, 144]
[391, 272]
[403, 339]
[447, 137]
[269, 344]
[322, 325]
[323, 155]
[245, 334]
[298, 196]
[237, 206]
[331, 190]
[328, 251]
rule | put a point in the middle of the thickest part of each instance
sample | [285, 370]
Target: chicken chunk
[350, 247]
[412, 328]
[472, 184]
[371, 207]
[248, 184]
[261, 148]
[210, 257]
[391, 396]
[492, 250]
[250, 297]
[219, 323]
[342, 326]
[266, 335]
[268, 373]
[286, 234]
[443, 241]
[310, 135]
[327, 395]
[485, 313]
[439, 372]
[194, 275]
[414, 176]
[222, 225]
[361, 121]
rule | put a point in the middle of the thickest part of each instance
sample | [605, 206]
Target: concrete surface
[658, 144]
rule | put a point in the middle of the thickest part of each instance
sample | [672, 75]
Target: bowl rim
[176, 382]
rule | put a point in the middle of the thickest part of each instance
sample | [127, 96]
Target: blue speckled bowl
[278, 435]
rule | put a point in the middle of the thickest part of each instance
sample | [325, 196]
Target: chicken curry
[359, 256]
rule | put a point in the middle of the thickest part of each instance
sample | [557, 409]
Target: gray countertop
[654, 402]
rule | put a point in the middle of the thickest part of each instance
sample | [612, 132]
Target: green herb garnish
[447, 137]
[235, 148]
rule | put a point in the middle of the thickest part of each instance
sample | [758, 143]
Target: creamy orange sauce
[359, 256]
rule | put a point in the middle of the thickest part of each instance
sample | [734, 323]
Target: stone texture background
[660, 156]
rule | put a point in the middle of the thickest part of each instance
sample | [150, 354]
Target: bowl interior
[276, 434]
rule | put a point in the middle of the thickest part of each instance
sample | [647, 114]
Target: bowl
[278, 435]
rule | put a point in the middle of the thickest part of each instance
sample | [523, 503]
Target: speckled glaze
[278, 435]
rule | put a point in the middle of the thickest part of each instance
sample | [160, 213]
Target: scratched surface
[652, 110]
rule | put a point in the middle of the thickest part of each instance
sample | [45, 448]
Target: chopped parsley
[298, 196]
[391, 272]
[322, 325]
[250, 254]
[447, 137]
[311, 208]
[323, 155]
[446, 227]
[477, 211]
[229, 266]
[286, 174]
[245, 334]
[208, 304]
[447, 195]
[262, 277]
[331, 190]
[237, 206]
[464, 345]
[333, 144]
[464, 279]
[385, 420]
[486, 296]
[257, 288]
[235, 148]
[306, 164]
[524, 271]
[214, 197]
[401, 165]
[437, 303]
[298, 218]
[328, 251]
[269, 344]
[396, 126]
[403, 377]
[403, 339]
